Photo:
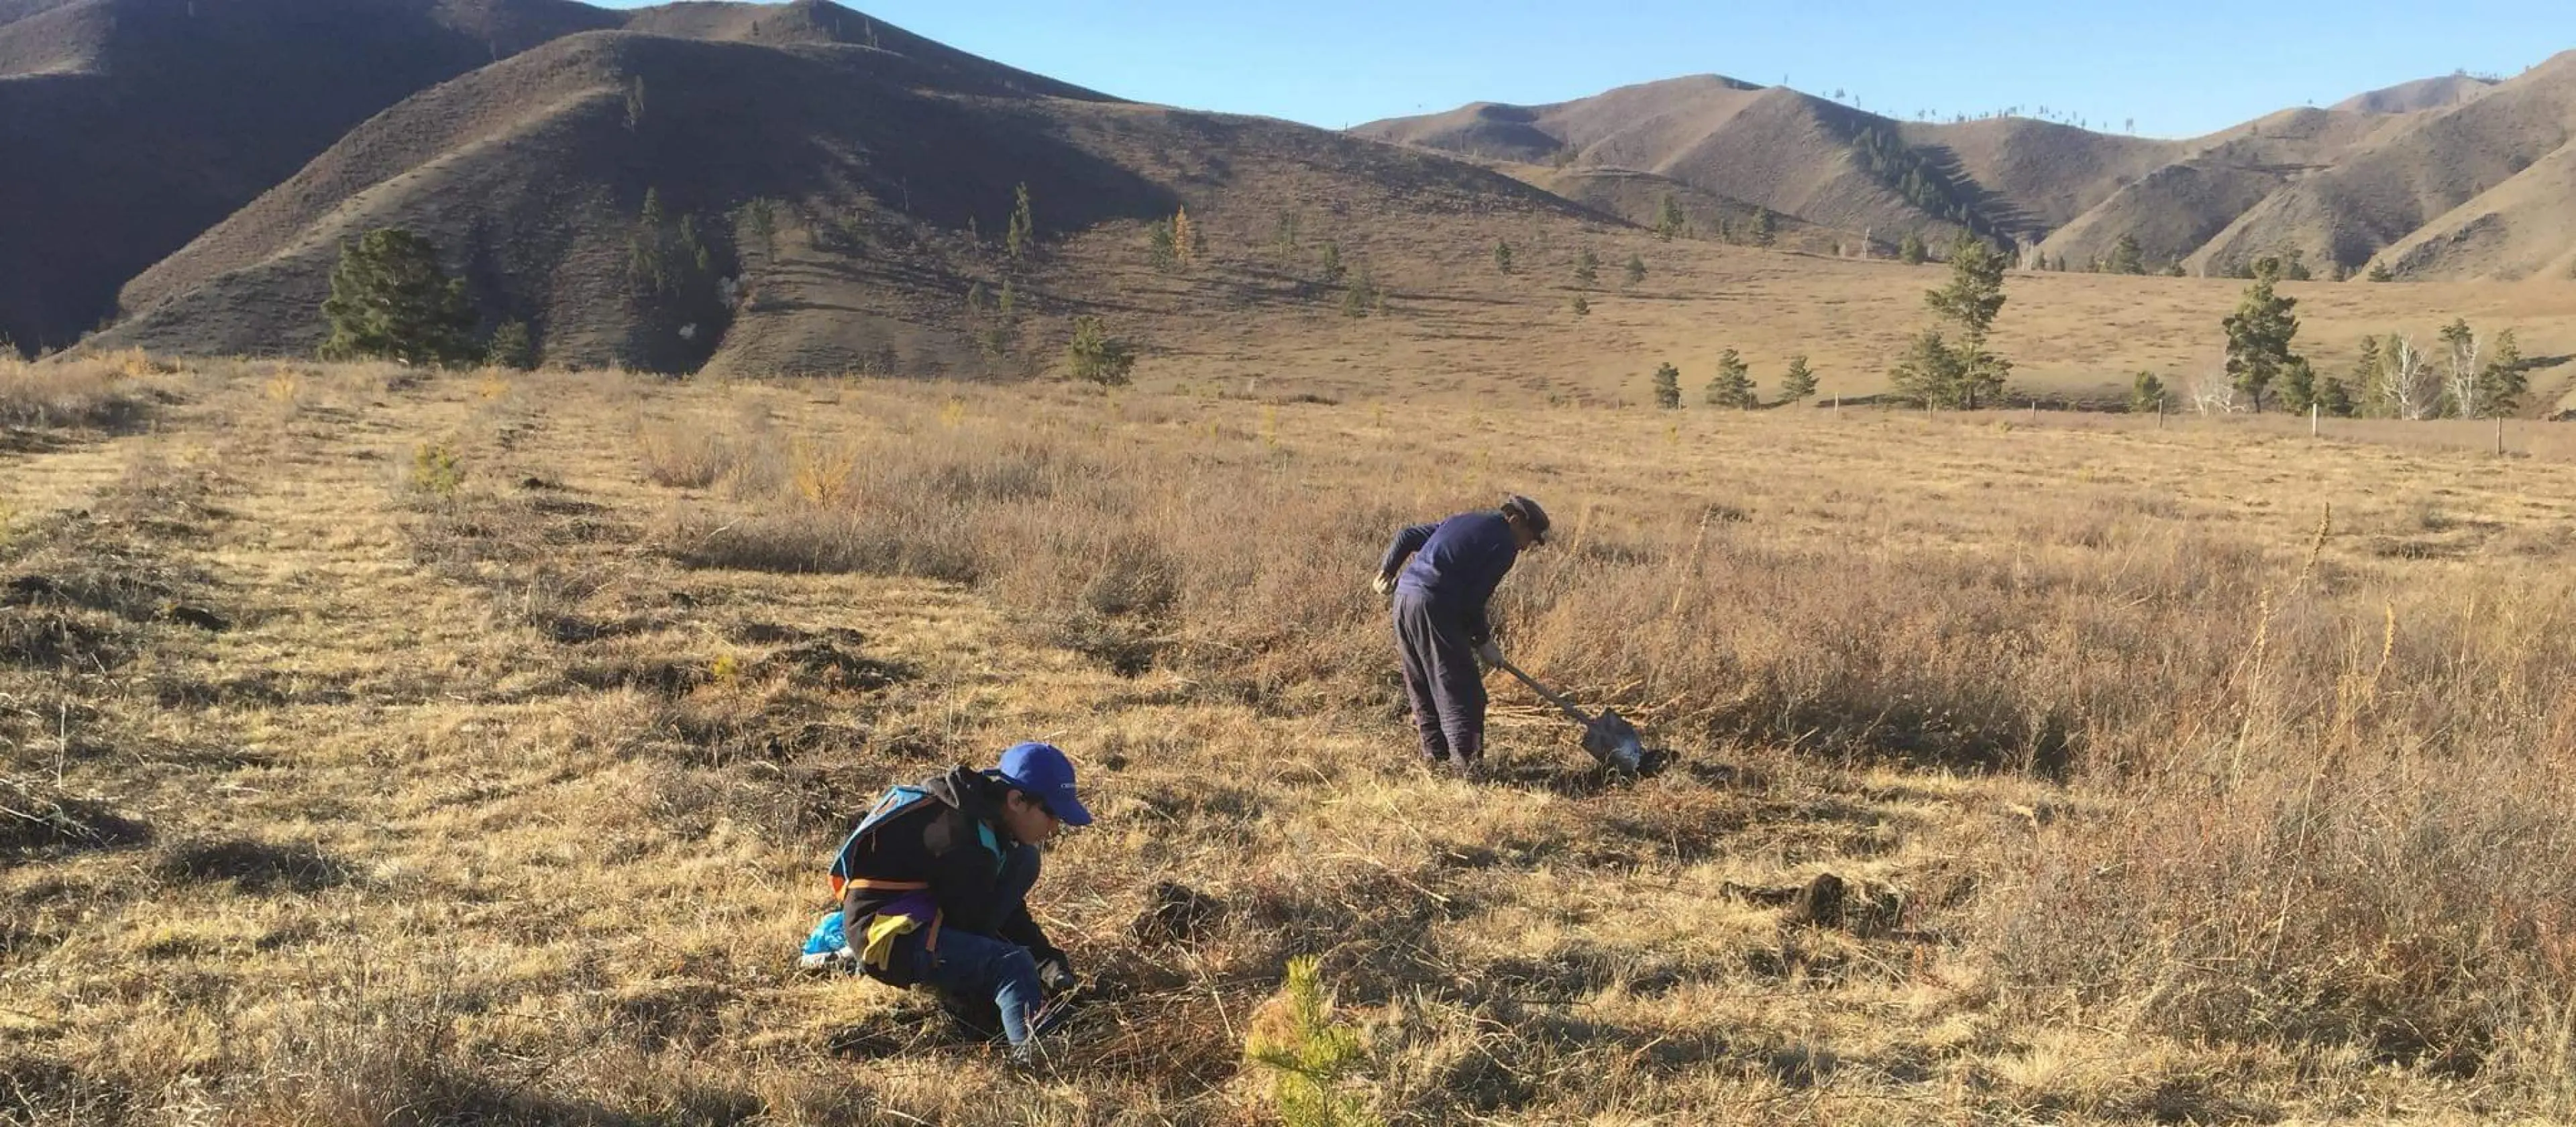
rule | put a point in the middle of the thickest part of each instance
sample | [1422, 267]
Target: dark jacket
[937, 842]
[1456, 564]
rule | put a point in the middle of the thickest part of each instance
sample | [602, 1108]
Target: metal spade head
[1614, 741]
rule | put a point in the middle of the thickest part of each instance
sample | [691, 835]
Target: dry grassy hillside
[2038, 175]
[2178, 208]
[2373, 199]
[140, 123]
[890, 180]
[1453, 327]
[386, 750]
[2422, 94]
[1768, 146]
[2378, 172]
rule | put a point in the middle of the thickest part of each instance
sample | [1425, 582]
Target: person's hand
[1056, 977]
[1489, 652]
[1382, 583]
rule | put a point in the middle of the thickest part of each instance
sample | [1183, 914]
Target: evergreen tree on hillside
[1636, 269]
[511, 346]
[1912, 252]
[2146, 393]
[2298, 386]
[1668, 218]
[1763, 229]
[1096, 357]
[2125, 257]
[1668, 386]
[1733, 384]
[1022, 234]
[1587, 268]
[2259, 334]
[1502, 256]
[390, 300]
[2333, 398]
[1957, 370]
[1799, 382]
[2503, 382]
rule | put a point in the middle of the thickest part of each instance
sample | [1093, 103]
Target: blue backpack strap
[893, 803]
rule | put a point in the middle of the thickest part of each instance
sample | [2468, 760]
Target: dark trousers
[989, 984]
[1441, 679]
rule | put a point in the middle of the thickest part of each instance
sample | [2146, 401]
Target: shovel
[1609, 737]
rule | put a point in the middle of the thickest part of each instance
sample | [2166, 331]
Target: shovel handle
[1562, 705]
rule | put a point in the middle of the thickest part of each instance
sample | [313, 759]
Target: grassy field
[389, 749]
[1455, 328]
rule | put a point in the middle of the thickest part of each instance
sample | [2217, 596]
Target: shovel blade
[1615, 742]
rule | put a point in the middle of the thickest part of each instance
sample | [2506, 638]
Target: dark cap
[1530, 515]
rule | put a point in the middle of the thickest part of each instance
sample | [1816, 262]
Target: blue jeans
[980, 974]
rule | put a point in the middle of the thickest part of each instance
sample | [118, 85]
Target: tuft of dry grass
[91, 394]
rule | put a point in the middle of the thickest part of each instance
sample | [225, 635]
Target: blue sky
[2178, 68]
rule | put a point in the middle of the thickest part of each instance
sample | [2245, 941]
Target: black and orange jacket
[938, 844]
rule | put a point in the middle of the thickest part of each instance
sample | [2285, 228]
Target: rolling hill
[886, 165]
[2380, 172]
[144, 122]
[2473, 191]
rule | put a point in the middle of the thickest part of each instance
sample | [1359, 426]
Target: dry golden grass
[1455, 329]
[2157, 795]
[98, 393]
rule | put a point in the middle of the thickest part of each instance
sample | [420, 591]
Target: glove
[1055, 977]
[1489, 652]
[1382, 583]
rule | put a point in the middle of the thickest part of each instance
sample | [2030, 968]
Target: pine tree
[2333, 398]
[1799, 382]
[1636, 269]
[2381, 273]
[1097, 357]
[511, 346]
[648, 260]
[1930, 372]
[1668, 218]
[1912, 252]
[2125, 257]
[2504, 381]
[1308, 1055]
[1668, 387]
[1161, 247]
[1976, 290]
[2298, 386]
[1331, 263]
[1587, 268]
[2146, 393]
[1363, 297]
[1733, 384]
[1502, 256]
[2259, 334]
[391, 300]
[1763, 229]
[1580, 306]
[1959, 373]
[1022, 234]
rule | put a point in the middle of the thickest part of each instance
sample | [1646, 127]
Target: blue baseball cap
[1042, 771]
